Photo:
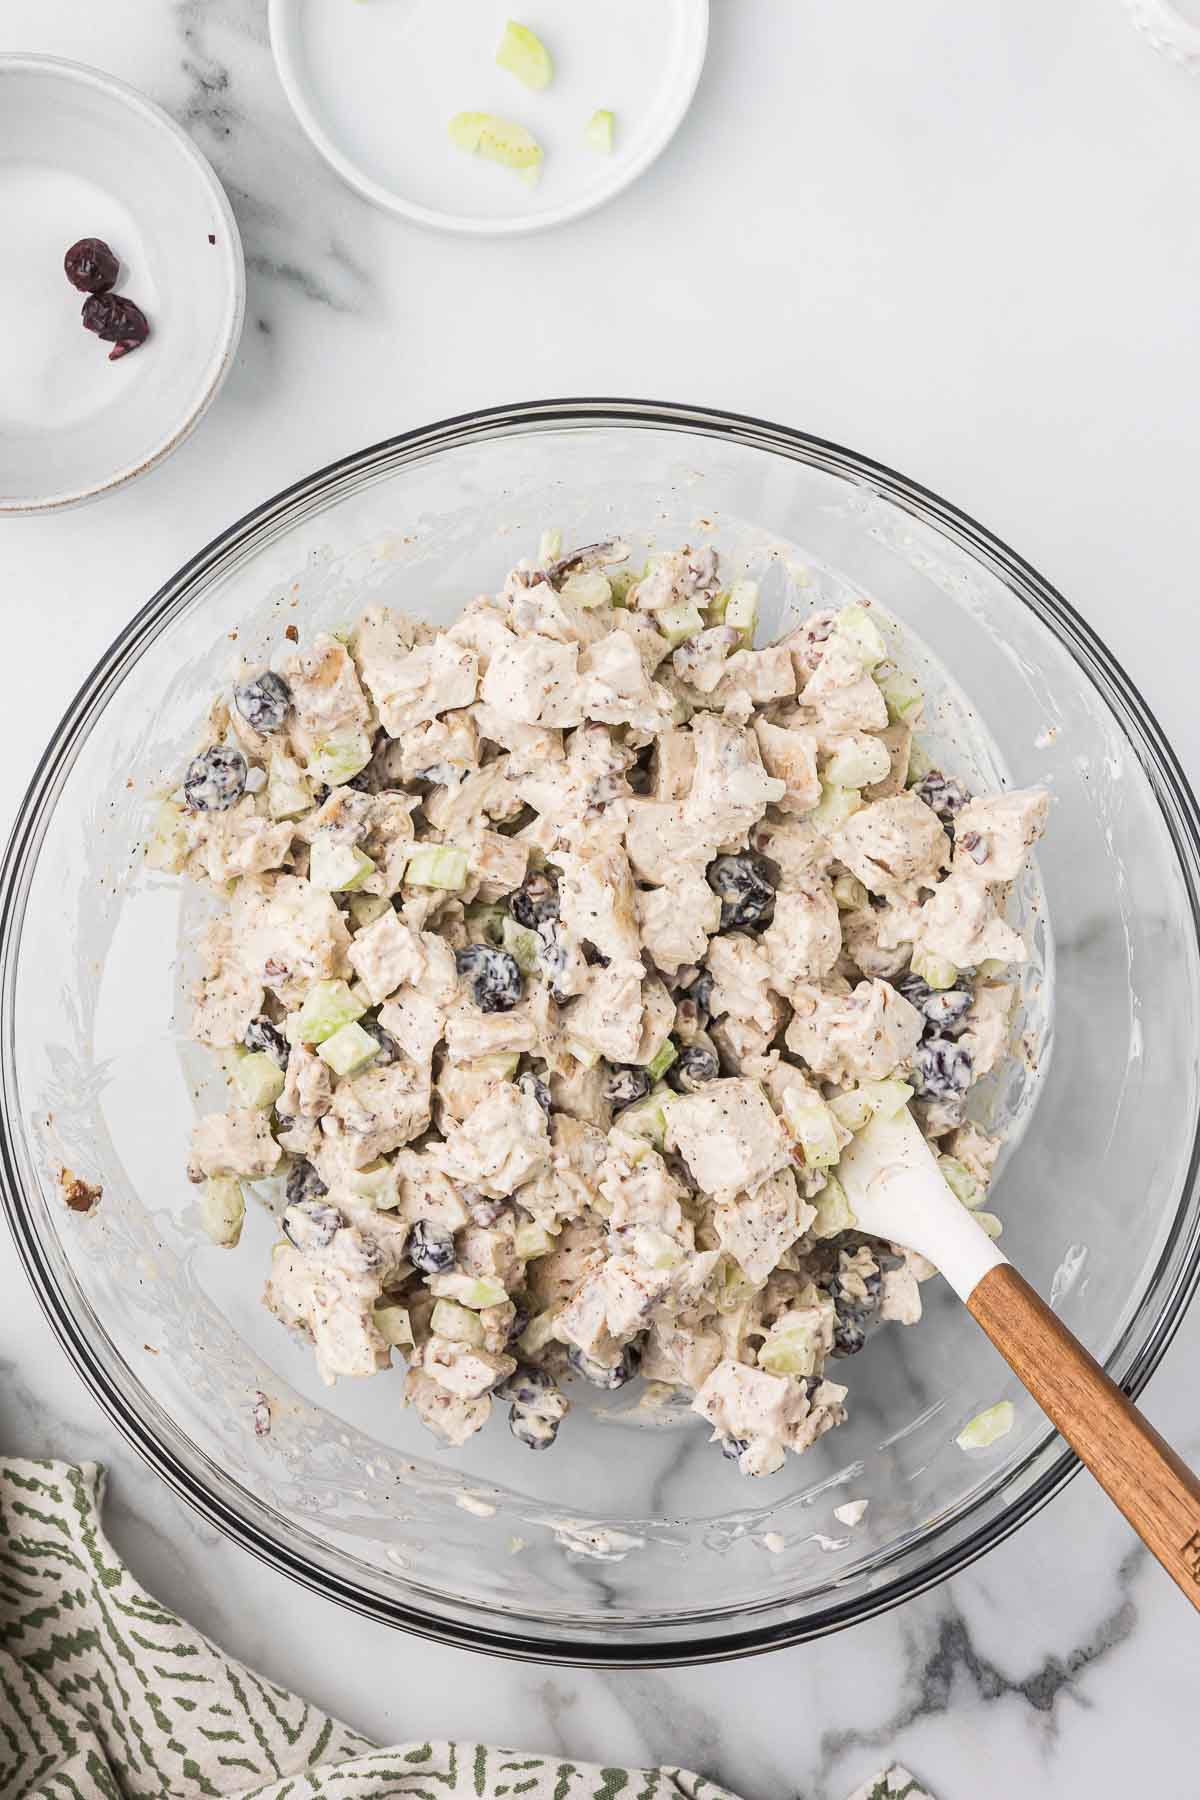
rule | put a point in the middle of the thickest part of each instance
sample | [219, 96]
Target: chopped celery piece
[336, 867]
[598, 131]
[450, 1320]
[647, 1118]
[919, 763]
[549, 547]
[377, 1185]
[366, 908]
[260, 1079]
[524, 55]
[850, 893]
[860, 1105]
[348, 1050]
[522, 944]
[585, 1054]
[657, 1249]
[343, 754]
[986, 1427]
[222, 1209]
[714, 612]
[288, 792]
[678, 623]
[588, 587]
[858, 763]
[735, 1288]
[486, 921]
[501, 1066]
[167, 845]
[475, 1291]
[344, 633]
[532, 1240]
[393, 1323]
[934, 971]
[788, 1349]
[436, 866]
[852, 1109]
[989, 1224]
[835, 806]
[328, 1005]
[620, 581]
[741, 609]
[834, 1211]
[658, 1065]
[813, 1126]
[539, 1332]
[991, 967]
[466, 129]
[499, 140]
[889, 1098]
[857, 629]
[961, 1182]
[904, 697]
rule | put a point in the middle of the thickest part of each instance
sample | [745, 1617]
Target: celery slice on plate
[598, 132]
[524, 55]
[497, 140]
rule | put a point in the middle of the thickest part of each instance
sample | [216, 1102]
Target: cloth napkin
[105, 1695]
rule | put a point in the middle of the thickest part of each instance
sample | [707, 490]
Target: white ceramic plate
[82, 155]
[374, 85]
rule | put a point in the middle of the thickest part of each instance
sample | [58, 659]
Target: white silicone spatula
[897, 1191]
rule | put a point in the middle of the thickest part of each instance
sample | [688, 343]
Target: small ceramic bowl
[375, 86]
[82, 155]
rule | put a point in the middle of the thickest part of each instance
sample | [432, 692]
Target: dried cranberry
[117, 321]
[91, 266]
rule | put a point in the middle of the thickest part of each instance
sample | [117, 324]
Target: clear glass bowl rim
[1049, 1463]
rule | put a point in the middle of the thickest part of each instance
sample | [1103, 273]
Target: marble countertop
[959, 238]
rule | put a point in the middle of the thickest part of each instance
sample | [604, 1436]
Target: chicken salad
[561, 953]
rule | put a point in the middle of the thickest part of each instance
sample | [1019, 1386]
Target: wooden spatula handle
[1157, 1492]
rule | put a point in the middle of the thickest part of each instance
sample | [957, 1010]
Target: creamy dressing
[583, 937]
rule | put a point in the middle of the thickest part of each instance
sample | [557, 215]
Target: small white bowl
[376, 85]
[82, 155]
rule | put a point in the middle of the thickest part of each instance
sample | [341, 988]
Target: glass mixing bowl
[633, 1541]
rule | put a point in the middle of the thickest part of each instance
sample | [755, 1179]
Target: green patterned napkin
[105, 1695]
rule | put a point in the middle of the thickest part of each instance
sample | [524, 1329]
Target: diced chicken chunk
[728, 1136]
[863, 1035]
[893, 844]
[994, 835]
[238, 1142]
[386, 955]
[804, 938]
